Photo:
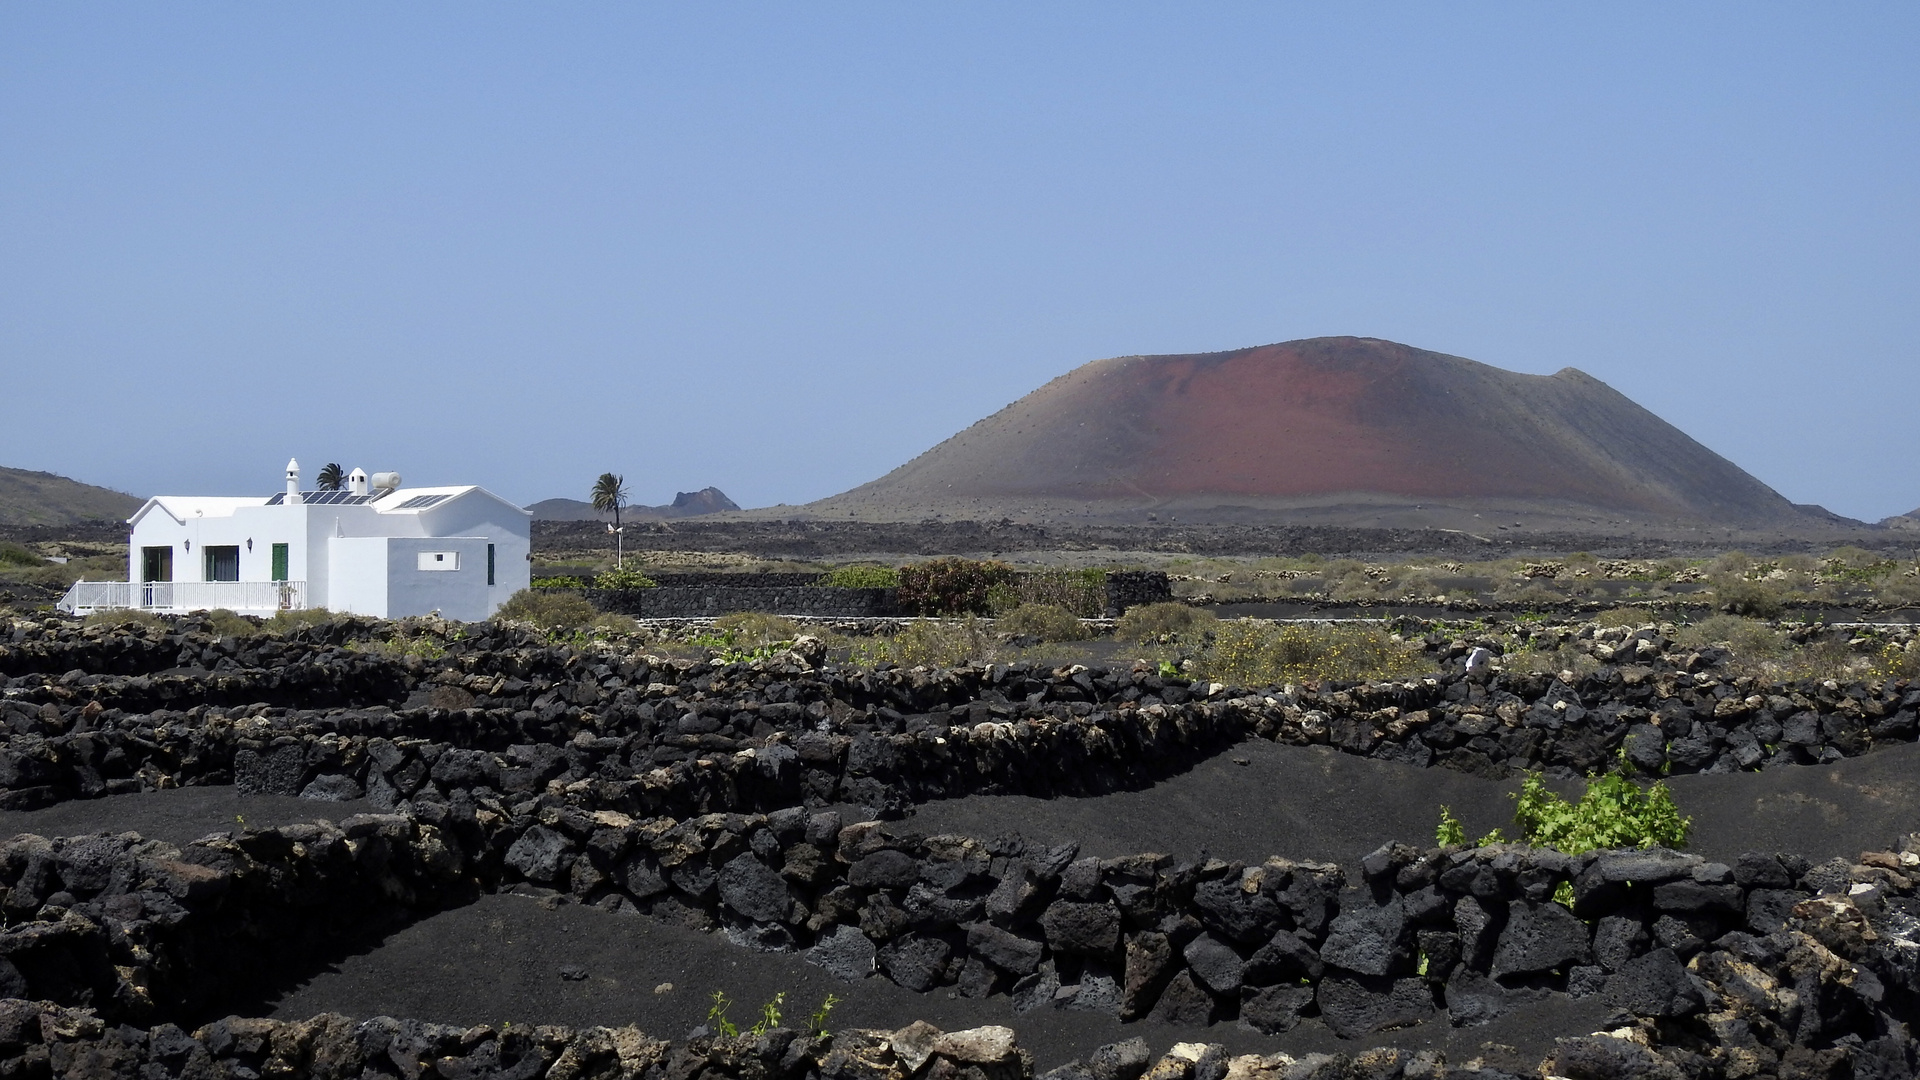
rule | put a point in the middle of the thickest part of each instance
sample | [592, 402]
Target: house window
[223, 562]
[156, 564]
[279, 562]
[489, 564]
[439, 560]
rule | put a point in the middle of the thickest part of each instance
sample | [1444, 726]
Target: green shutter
[489, 564]
[279, 562]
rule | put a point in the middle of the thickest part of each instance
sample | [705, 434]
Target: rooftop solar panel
[323, 498]
[421, 502]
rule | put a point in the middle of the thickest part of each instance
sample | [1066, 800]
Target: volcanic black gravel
[1260, 799]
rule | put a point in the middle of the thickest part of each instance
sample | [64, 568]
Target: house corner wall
[357, 575]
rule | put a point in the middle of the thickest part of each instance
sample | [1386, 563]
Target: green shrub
[284, 622]
[951, 586]
[14, 555]
[1629, 617]
[224, 623]
[547, 609]
[1750, 639]
[934, 643]
[757, 629]
[1082, 593]
[624, 579]
[862, 577]
[1151, 623]
[1901, 661]
[1253, 652]
[132, 617]
[1736, 595]
[1549, 660]
[1048, 622]
[613, 622]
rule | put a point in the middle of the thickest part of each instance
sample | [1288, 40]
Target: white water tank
[384, 482]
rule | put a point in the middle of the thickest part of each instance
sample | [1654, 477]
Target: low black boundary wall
[677, 601]
[497, 710]
[43, 1040]
[708, 595]
[1736, 966]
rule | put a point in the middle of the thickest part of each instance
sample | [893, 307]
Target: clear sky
[783, 248]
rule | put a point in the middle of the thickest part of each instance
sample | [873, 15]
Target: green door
[279, 562]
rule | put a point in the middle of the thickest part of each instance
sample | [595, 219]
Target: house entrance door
[279, 562]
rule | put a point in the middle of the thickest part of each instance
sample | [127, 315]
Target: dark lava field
[360, 849]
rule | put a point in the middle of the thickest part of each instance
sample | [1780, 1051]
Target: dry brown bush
[1048, 622]
[1151, 623]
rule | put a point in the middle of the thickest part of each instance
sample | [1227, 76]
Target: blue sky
[783, 248]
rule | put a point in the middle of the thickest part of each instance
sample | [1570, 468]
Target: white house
[374, 548]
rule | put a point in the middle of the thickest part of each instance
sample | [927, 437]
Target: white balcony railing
[243, 596]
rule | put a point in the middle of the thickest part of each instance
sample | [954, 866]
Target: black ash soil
[179, 816]
[1317, 803]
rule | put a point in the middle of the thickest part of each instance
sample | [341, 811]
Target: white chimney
[293, 480]
[357, 482]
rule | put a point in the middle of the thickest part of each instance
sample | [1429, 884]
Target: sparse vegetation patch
[1252, 652]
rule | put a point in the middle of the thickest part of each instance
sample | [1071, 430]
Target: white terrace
[372, 548]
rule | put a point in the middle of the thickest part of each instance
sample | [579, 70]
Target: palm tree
[331, 477]
[610, 494]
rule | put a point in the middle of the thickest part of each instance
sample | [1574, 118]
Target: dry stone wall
[40, 1040]
[91, 713]
[1735, 965]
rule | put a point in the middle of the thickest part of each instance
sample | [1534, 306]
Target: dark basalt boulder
[1655, 986]
[1354, 1006]
[1540, 937]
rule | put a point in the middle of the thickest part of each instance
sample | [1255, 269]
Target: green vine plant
[624, 579]
[817, 1023]
[730, 649]
[1613, 812]
[770, 1016]
[717, 1021]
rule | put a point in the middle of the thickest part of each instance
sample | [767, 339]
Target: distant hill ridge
[42, 498]
[708, 500]
[1350, 421]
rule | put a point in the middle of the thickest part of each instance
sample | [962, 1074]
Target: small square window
[438, 560]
